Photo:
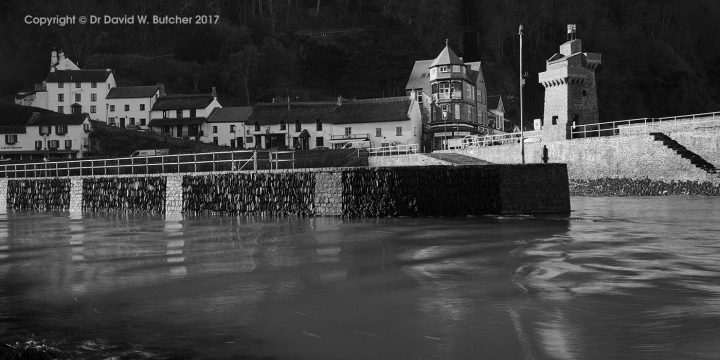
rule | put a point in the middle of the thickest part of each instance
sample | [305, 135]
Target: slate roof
[15, 118]
[354, 111]
[132, 92]
[183, 102]
[447, 57]
[230, 114]
[78, 76]
[420, 76]
[176, 121]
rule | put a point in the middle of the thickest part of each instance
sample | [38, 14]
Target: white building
[359, 123]
[131, 105]
[70, 90]
[182, 115]
[226, 126]
[31, 133]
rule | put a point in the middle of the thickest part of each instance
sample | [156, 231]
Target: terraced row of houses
[445, 98]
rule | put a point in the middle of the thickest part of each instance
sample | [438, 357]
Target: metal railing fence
[393, 150]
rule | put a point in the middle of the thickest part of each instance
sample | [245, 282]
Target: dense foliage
[659, 56]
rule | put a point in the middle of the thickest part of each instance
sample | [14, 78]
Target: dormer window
[257, 126]
[282, 125]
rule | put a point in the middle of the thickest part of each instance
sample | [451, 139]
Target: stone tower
[570, 90]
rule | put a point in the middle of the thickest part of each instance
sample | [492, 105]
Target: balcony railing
[365, 136]
[643, 125]
[161, 164]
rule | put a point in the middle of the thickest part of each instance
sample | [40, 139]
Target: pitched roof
[78, 76]
[182, 102]
[493, 101]
[447, 57]
[132, 92]
[230, 114]
[373, 110]
[15, 118]
[354, 111]
[176, 121]
[420, 76]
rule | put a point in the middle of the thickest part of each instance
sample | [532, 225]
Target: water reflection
[602, 285]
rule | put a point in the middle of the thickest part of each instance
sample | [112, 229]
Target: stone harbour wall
[348, 192]
[38, 194]
[124, 194]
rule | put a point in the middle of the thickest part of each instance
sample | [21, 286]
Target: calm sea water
[621, 278]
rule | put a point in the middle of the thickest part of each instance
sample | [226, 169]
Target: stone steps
[694, 158]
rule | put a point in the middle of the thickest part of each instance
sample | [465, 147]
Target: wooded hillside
[660, 57]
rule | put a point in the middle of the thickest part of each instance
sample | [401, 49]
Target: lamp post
[522, 85]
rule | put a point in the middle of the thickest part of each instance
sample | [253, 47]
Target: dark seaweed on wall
[435, 191]
[641, 187]
[50, 194]
[263, 193]
[124, 194]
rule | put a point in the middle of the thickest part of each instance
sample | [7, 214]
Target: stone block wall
[174, 194]
[124, 194]
[39, 194]
[328, 193]
[405, 160]
[3, 193]
[76, 195]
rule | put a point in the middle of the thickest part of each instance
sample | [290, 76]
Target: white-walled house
[363, 123]
[182, 115]
[131, 105]
[226, 126]
[79, 91]
[31, 133]
[39, 96]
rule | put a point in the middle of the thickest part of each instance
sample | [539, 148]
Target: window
[215, 130]
[282, 125]
[298, 127]
[398, 131]
[165, 114]
[319, 141]
[257, 126]
[38, 144]
[444, 69]
[215, 140]
[418, 96]
[86, 127]
[93, 85]
[479, 96]
[142, 107]
[142, 122]
[132, 121]
[378, 132]
[61, 85]
[318, 125]
[93, 97]
[457, 111]
[469, 113]
[166, 130]
[468, 91]
[232, 128]
[249, 139]
[53, 144]
[444, 90]
[61, 97]
[193, 113]
[127, 107]
[584, 92]
[93, 109]
[61, 129]
[112, 121]
[11, 139]
[108, 86]
[554, 120]
[61, 109]
[232, 143]
[348, 131]
[112, 107]
[68, 144]
[456, 68]
[77, 85]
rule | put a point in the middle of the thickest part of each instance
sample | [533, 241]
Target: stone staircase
[457, 159]
[694, 158]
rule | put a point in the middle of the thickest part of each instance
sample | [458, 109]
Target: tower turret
[570, 88]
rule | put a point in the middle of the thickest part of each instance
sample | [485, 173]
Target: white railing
[393, 150]
[490, 140]
[642, 125]
[157, 164]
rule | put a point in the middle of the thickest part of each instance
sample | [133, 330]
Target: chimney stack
[571, 32]
[53, 59]
[339, 100]
[214, 92]
[161, 87]
[61, 56]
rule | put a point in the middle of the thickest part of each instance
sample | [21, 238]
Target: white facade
[124, 111]
[182, 121]
[53, 141]
[90, 96]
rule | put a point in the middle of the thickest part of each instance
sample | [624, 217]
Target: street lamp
[522, 85]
